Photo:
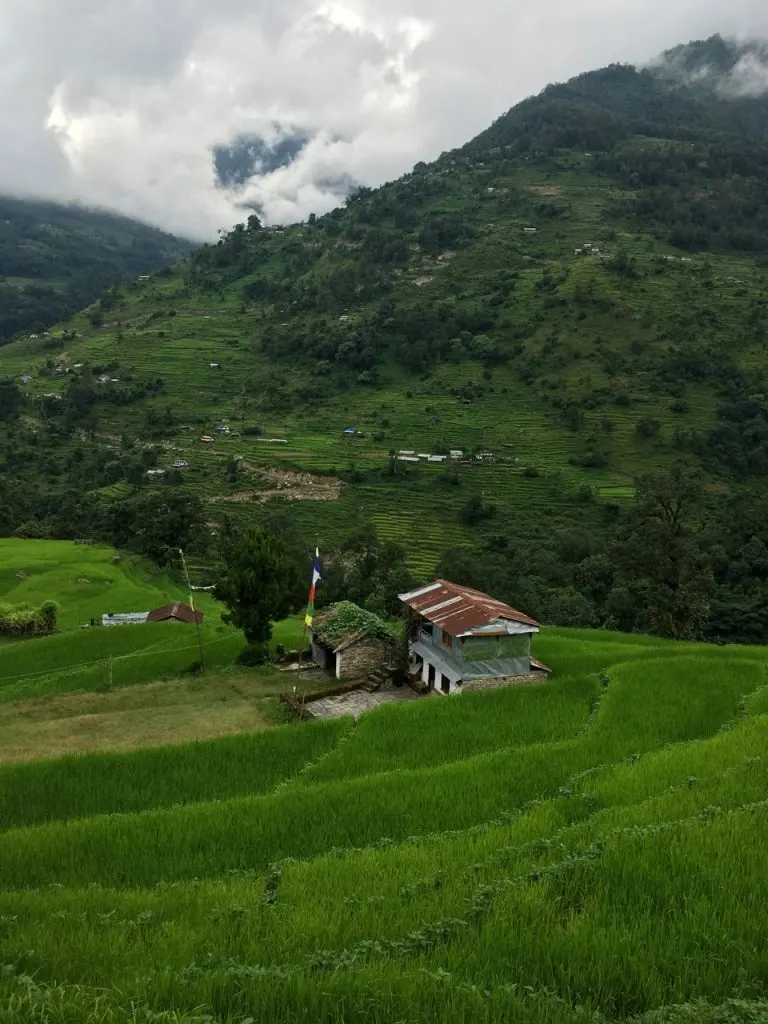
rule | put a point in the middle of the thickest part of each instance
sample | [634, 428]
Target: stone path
[357, 702]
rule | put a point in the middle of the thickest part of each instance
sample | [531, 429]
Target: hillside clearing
[174, 712]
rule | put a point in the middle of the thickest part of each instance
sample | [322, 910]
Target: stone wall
[362, 658]
[499, 682]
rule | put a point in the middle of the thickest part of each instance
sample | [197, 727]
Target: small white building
[124, 619]
[155, 474]
[530, 231]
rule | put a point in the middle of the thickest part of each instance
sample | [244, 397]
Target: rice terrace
[586, 849]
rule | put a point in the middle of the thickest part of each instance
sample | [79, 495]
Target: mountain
[575, 298]
[249, 155]
[54, 259]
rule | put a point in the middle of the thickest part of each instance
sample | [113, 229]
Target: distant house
[460, 639]
[176, 612]
[26, 379]
[155, 474]
[350, 431]
[351, 643]
[456, 453]
[207, 439]
[223, 429]
[124, 619]
[179, 464]
[144, 277]
[530, 231]
[214, 366]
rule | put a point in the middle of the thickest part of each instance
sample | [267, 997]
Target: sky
[120, 103]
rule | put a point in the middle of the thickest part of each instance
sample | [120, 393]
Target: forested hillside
[574, 301]
[55, 259]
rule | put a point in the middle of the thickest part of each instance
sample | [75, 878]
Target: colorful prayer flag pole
[315, 579]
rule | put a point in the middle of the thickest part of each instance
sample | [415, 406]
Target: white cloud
[118, 102]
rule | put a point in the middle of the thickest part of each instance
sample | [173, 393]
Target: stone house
[460, 639]
[351, 643]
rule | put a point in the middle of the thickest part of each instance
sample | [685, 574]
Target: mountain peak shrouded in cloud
[155, 108]
[732, 68]
[248, 156]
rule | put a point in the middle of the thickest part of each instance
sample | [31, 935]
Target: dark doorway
[431, 677]
[445, 685]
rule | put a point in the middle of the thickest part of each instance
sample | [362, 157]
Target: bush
[253, 655]
[23, 621]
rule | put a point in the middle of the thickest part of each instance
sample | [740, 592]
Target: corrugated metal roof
[459, 610]
[177, 610]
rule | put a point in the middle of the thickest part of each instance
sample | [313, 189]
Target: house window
[445, 684]
[447, 641]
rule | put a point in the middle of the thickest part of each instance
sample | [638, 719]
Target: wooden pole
[304, 631]
[194, 612]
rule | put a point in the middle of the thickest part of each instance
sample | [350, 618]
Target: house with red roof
[460, 639]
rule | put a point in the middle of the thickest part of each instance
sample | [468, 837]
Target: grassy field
[119, 688]
[86, 580]
[589, 850]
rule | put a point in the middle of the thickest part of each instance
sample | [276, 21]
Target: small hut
[351, 643]
[176, 612]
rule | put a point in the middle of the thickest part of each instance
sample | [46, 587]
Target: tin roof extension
[461, 610]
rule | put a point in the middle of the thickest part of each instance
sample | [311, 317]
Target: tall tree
[662, 556]
[259, 583]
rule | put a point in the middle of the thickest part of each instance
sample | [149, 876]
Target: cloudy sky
[120, 102]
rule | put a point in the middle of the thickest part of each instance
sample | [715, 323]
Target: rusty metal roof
[459, 610]
[178, 611]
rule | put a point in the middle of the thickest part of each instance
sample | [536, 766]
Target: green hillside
[87, 581]
[590, 850]
[55, 259]
[574, 299]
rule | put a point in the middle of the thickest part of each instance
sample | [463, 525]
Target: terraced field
[585, 850]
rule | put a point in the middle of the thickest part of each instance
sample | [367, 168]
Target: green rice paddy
[586, 850]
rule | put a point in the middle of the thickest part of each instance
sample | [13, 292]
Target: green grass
[82, 786]
[52, 571]
[601, 859]
[99, 658]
